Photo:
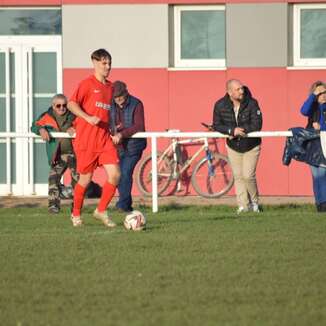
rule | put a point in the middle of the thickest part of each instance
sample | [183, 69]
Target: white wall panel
[256, 35]
[135, 35]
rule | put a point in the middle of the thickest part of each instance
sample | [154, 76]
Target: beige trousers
[244, 170]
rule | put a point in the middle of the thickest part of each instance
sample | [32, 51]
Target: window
[309, 47]
[199, 36]
[30, 21]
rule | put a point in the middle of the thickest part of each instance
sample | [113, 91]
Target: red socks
[79, 194]
[108, 191]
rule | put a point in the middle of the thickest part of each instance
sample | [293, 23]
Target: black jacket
[304, 146]
[249, 118]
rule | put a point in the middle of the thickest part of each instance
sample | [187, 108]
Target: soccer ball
[135, 221]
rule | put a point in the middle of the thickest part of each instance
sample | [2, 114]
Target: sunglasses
[60, 105]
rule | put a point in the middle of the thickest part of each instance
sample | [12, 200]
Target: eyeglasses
[60, 105]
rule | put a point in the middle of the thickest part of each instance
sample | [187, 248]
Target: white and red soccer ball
[135, 221]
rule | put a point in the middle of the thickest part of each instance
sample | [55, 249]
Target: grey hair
[59, 97]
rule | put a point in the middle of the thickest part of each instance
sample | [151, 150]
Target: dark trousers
[127, 166]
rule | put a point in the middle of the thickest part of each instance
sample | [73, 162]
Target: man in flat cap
[127, 118]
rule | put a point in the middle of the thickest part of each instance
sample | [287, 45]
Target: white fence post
[154, 175]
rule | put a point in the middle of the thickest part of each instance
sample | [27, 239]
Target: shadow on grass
[226, 208]
[283, 207]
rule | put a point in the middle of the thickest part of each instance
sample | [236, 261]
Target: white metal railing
[153, 136]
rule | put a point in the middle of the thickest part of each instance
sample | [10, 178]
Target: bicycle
[211, 177]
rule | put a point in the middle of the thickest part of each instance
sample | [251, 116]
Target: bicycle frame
[209, 177]
[187, 163]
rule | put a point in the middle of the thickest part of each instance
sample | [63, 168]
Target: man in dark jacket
[127, 118]
[237, 114]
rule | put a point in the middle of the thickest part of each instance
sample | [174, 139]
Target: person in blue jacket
[315, 109]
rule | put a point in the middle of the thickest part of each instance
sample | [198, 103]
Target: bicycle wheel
[144, 175]
[215, 180]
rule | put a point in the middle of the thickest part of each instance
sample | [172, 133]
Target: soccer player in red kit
[91, 103]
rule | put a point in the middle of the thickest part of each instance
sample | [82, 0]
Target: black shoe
[321, 208]
[53, 209]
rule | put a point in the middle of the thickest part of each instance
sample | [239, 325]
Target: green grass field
[192, 266]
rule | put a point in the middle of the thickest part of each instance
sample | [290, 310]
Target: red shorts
[88, 161]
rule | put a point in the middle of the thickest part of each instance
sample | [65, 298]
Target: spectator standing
[315, 109]
[127, 118]
[237, 114]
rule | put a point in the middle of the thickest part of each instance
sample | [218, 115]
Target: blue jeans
[319, 183]
[127, 166]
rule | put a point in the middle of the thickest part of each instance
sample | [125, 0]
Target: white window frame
[297, 60]
[192, 63]
[24, 47]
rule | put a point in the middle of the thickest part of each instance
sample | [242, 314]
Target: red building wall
[183, 99]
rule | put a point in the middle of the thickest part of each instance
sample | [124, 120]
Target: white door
[30, 74]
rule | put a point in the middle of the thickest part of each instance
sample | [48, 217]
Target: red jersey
[95, 99]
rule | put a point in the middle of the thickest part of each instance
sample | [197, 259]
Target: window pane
[30, 22]
[3, 72]
[13, 114]
[3, 167]
[12, 73]
[313, 33]
[44, 72]
[3, 114]
[203, 34]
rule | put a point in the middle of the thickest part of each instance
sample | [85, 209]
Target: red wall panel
[150, 85]
[183, 99]
[58, 2]
[192, 96]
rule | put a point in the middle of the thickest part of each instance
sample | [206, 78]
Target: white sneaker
[255, 208]
[104, 218]
[76, 221]
[242, 209]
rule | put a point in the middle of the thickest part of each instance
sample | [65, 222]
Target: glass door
[31, 73]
